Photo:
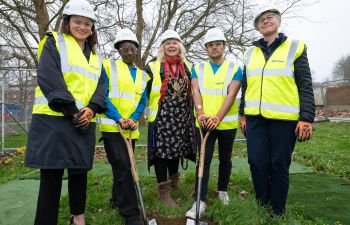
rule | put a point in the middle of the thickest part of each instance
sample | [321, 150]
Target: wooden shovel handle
[202, 152]
[128, 143]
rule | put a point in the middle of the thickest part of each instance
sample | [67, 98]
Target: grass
[240, 211]
[12, 166]
[15, 141]
[321, 196]
[328, 152]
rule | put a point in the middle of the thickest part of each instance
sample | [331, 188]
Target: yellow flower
[21, 150]
[8, 160]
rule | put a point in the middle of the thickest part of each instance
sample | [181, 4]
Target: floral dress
[174, 124]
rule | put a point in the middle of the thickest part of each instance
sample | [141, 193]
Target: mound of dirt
[178, 221]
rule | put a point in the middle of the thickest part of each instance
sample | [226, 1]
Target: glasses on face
[268, 18]
[126, 50]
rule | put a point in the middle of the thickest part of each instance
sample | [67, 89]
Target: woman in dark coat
[71, 90]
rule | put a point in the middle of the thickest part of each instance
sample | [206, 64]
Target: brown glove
[82, 119]
[213, 122]
[303, 131]
[202, 119]
[243, 125]
[123, 123]
[132, 124]
[86, 116]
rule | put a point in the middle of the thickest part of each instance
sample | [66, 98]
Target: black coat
[53, 142]
[302, 76]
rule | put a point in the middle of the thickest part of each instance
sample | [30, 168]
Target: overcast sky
[327, 38]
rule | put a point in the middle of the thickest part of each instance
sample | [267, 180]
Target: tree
[24, 23]
[341, 69]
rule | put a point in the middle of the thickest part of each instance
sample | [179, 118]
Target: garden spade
[191, 221]
[135, 176]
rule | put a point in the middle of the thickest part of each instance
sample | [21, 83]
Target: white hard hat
[214, 34]
[79, 8]
[267, 8]
[125, 35]
[170, 34]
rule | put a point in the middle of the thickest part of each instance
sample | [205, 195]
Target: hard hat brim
[118, 43]
[73, 13]
[223, 40]
[170, 39]
[256, 20]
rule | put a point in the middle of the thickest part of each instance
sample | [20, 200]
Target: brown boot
[164, 189]
[175, 181]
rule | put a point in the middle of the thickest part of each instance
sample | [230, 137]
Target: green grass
[328, 151]
[12, 167]
[240, 211]
[321, 196]
[15, 141]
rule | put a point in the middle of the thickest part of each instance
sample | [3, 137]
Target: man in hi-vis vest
[125, 104]
[277, 107]
[216, 83]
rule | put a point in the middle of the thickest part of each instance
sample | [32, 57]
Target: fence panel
[17, 97]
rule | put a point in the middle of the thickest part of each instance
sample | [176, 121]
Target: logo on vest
[276, 60]
[219, 83]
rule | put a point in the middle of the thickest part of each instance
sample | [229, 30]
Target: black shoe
[274, 214]
[133, 220]
[113, 204]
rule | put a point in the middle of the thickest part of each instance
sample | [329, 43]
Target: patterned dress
[174, 123]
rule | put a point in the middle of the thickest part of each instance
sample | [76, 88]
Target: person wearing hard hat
[71, 91]
[216, 83]
[277, 107]
[126, 101]
[171, 124]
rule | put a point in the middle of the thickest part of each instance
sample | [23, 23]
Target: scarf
[180, 69]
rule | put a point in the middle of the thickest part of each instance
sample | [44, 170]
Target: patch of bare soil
[99, 153]
[320, 113]
[178, 221]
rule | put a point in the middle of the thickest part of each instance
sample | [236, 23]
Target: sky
[326, 34]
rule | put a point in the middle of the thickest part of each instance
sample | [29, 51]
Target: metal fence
[17, 96]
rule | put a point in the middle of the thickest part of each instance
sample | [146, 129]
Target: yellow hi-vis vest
[271, 89]
[155, 91]
[124, 94]
[80, 76]
[214, 89]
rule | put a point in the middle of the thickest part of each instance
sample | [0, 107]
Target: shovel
[199, 176]
[135, 176]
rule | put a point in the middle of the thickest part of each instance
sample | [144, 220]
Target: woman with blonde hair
[171, 124]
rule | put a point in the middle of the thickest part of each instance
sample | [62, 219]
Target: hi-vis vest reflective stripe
[124, 94]
[271, 89]
[214, 90]
[155, 91]
[81, 77]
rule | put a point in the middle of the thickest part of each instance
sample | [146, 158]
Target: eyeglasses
[126, 50]
[268, 18]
